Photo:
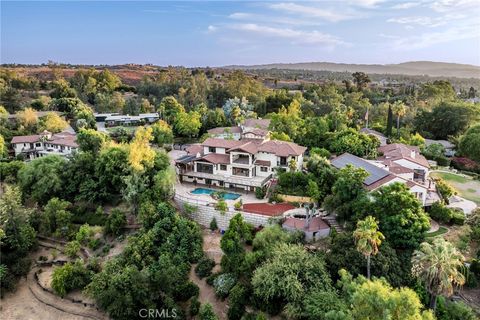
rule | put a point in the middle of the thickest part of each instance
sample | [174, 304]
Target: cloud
[309, 11]
[295, 36]
[421, 21]
[366, 3]
[453, 5]
[406, 5]
[428, 39]
[211, 29]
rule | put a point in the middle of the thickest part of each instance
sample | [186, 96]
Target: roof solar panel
[374, 173]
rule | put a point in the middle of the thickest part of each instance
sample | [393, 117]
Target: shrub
[449, 310]
[206, 312]
[186, 291]
[221, 206]
[194, 306]
[72, 248]
[237, 302]
[83, 214]
[238, 205]
[210, 279]
[213, 224]
[116, 221]
[204, 267]
[445, 190]
[458, 217]
[223, 284]
[465, 164]
[94, 244]
[72, 275]
[440, 213]
[260, 193]
[322, 152]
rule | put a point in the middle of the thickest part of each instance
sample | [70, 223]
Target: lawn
[440, 231]
[467, 187]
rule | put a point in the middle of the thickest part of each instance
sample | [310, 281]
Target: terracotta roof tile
[216, 158]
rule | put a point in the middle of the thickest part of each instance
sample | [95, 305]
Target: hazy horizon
[216, 33]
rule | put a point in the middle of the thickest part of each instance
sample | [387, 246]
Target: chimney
[412, 154]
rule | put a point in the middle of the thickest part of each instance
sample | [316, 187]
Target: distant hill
[414, 68]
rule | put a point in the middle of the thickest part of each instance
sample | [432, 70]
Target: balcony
[242, 160]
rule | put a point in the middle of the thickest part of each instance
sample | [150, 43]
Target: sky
[216, 33]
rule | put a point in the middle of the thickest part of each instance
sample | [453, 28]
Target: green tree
[438, 266]
[57, 218]
[188, 124]
[399, 109]
[169, 109]
[470, 143]
[368, 238]
[162, 133]
[115, 223]
[207, 313]
[70, 276]
[403, 221]
[233, 243]
[42, 178]
[90, 140]
[288, 276]
[54, 123]
[361, 80]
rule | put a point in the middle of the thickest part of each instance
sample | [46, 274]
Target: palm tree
[438, 265]
[368, 238]
[399, 109]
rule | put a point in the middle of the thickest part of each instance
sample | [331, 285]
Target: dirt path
[211, 246]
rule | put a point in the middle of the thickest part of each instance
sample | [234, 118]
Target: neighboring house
[381, 174]
[245, 163]
[100, 117]
[127, 120]
[407, 157]
[380, 136]
[250, 129]
[449, 147]
[46, 143]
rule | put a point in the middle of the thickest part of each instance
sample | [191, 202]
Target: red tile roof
[262, 163]
[26, 139]
[397, 151]
[194, 149]
[257, 123]
[222, 130]
[222, 143]
[316, 224]
[281, 148]
[216, 158]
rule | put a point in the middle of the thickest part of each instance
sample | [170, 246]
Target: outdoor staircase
[270, 188]
[332, 222]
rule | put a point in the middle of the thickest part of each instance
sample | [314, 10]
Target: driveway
[465, 205]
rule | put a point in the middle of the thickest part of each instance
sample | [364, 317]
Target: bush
[223, 284]
[204, 267]
[116, 221]
[322, 152]
[260, 193]
[237, 302]
[72, 275]
[206, 312]
[465, 164]
[186, 291]
[445, 190]
[221, 206]
[94, 244]
[213, 224]
[72, 248]
[83, 215]
[194, 306]
[458, 217]
[440, 213]
[449, 310]
[211, 278]
[238, 205]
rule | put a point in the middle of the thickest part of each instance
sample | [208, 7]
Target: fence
[205, 211]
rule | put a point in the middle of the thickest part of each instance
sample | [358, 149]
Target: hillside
[414, 68]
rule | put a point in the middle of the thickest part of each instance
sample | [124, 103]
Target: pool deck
[184, 190]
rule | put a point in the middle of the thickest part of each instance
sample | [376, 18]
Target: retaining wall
[205, 212]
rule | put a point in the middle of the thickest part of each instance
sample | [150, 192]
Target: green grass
[451, 177]
[440, 231]
[466, 187]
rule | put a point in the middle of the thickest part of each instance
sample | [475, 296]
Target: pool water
[226, 196]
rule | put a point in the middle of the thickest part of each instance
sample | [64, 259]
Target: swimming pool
[226, 195]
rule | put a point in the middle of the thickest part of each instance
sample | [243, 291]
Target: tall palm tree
[368, 239]
[438, 265]
[399, 109]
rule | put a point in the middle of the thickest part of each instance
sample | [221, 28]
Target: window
[212, 149]
[223, 167]
[263, 169]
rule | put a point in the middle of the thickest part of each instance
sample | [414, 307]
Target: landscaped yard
[467, 187]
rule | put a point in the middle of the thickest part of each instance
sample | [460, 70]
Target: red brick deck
[267, 209]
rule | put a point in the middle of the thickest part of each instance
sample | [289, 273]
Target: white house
[245, 163]
[127, 120]
[380, 175]
[46, 143]
[249, 129]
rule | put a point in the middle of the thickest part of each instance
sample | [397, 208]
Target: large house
[46, 143]
[112, 120]
[398, 163]
[249, 129]
[246, 163]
